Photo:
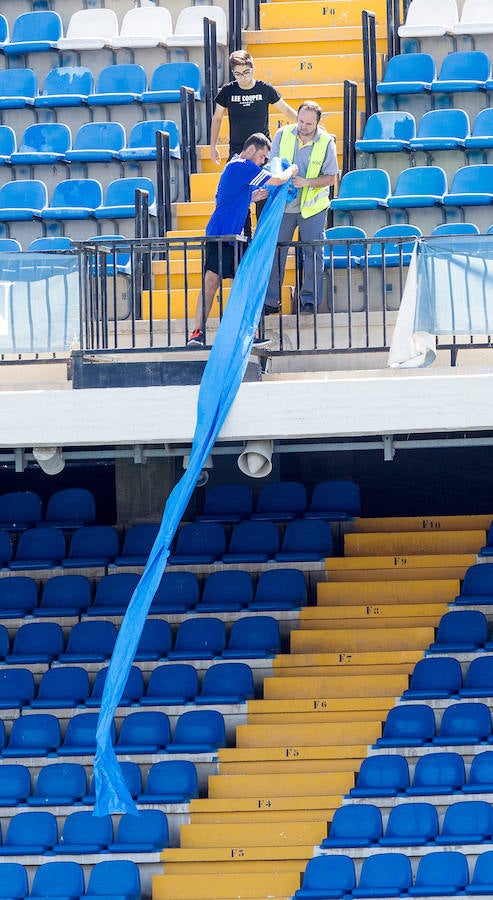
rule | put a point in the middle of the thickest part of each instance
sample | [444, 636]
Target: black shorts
[230, 256]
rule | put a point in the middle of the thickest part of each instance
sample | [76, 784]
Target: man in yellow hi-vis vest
[313, 151]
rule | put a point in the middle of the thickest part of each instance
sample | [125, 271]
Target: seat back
[173, 680]
[45, 543]
[200, 726]
[199, 538]
[91, 637]
[83, 193]
[451, 228]
[9, 245]
[410, 67]
[115, 590]
[145, 728]
[483, 123]
[156, 639]
[122, 78]
[467, 819]
[412, 723]
[133, 688]
[51, 244]
[81, 732]
[482, 876]
[190, 23]
[58, 879]
[61, 783]
[355, 825]
[223, 679]
[88, 23]
[308, 535]
[149, 827]
[15, 788]
[254, 537]
[173, 75]
[40, 734]
[115, 877]
[144, 21]
[38, 639]
[439, 773]
[18, 83]
[423, 181]
[121, 192]
[465, 627]
[481, 771]
[382, 776]
[224, 588]
[473, 180]
[139, 539]
[27, 829]
[68, 80]
[466, 721]
[413, 823]
[83, 829]
[443, 13]
[7, 141]
[281, 586]
[364, 183]
[66, 591]
[330, 873]
[388, 126]
[282, 497]
[143, 135]
[70, 684]
[174, 778]
[45, 137]
[342, 256]
[42, 25]
[178, 587]
[255, 633]
[72, 505]
[13, 881]
[386, 871]
[233, 501]
[19, 592]
[452, 123]
[336, 496]
[437, 674]
[480, 674]
[465, 65]
[20, 509]
[16, 687]
[199, 634]
[94, 540]
[99, 136]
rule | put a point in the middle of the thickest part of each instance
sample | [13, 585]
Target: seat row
[282, 501]
[439, 129]
[441, 677]
[93, 641]
[435, 20]
[68, 507]
[414, 725]
[463, 71]
[435, 773]
[64, 878]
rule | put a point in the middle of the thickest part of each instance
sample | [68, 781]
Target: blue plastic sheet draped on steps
[220, 382]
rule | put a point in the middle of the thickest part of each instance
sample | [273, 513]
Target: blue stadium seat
[467, 822]
[133, 689]
[16, 688]
[89, 642]
[408, 73]
[30, 833]
[453, 228]
[411, 825]
[118, 85]
[18, 596]
[177, 592]
[434, 678]
[327, 876]
[20, 510]
[384, 875]
[464, 723]
[279, 589]
[44, 143]
[306, 540]
[199, 638]
[382, 776]
[36, 642]
[92, 545]
[59, 784]
[18, 88]
[52, 244]
[132, 777]
[15, 786]
[343, 255]
[477, 586]
[113, 594]
[65, 595]
[479, 678]
[114, 878]
[337, 500]
[137, 544]
[10, 245]
[226, 683]
[387, 132]
[254, 637]
[97, 142]
[410, 724]
[22, 201]
[487, 550]
[4, 642]
[440, 873]
[65, 86]
[437, 773]
[471, 186]
[8, 144]
[172, 781]
[383, 252]
[199, 543]
[75, 198]
[145, 731]
[171, 685]
[482, 876]
[13, 881]
[363, 189]
[155, 641]
[34, 32]
[420, 186]
[481, 137]
[281, 501]
[226, 592]
[145, 833]
[355, 825]
[198, 731]
[227, 503]
[442, 129]
[252, 542]
[480, 778]
[83, 833]
[463, 71]
[141, 146]
[6, 547]
[39, 548]
[167, 79]
[460, 632]
[80, 736]
[119, 198]
[60, 880]
[33, 735]
[70, 507]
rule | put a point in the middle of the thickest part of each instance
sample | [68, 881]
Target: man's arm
[215, 128]
[319, 181]
[285, 175]
[286, 110]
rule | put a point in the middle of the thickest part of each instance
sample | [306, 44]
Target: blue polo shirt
[233, 196]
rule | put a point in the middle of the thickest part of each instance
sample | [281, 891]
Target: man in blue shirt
[242, 182]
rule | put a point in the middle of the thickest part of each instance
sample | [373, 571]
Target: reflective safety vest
[313, 200]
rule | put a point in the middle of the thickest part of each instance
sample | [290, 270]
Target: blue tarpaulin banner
[220, 383]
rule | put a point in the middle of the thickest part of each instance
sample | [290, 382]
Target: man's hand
[260, 194]
[215, 155]
[300, 182]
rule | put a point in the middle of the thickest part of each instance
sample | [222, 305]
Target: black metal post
[370, 62]
[163, 183]
[185, 140]
[209, 97]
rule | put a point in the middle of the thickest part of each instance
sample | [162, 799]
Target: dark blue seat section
[36, 642]
[59, 784]
[141, 144]
[171, 781]
[411, 825]
[363, 189]
[330, 877]
[409, 724]
[18, 596]
[39, 548]
[480, 778]
[89, 642]
[118, 85]
[487, 550]
[132, 691]
[44, 143]
[481, 137]
[13, 881]
[33, 735]
[84, 833]
[227, 683]
[355, 825]
[226, 592]
[279, 589]
[75, 198]
[434, 678]
[467, 822]
[22, 201]
[177, 592]
[383, 252]
[65, 595]
[80, 736]
[20, 510]
[420, 186]
[199, 638]
[92, 545]
[382, 776]
[384, 875]
[6, 548]
[113, 594]
[65, 86]
[145, 833]
[281, 501]
[15, 784]
[60, 880]
[337, 500]
[408, 73]
[16, 688]
[199, 543]
[119, 198]
[482, 877]
[137, 544]
[198, 731]
[132, 777]
[442, 129]
[441, 872]
[464, 631]
[471, 186]
[464, 723]
[168, 78]
[227, 503]
[463, 71]
[155, 641]
[479, 678]
[116, 878]
[146, 731]
[170, 685]
[438, 773]
[18, 88]
[30, 833]
[34, 32]
[387, 132]
[254, 542]
[254, 637]
[97, 142]
[477, 586]
[306, 540]
[338, 255]
[71, 508]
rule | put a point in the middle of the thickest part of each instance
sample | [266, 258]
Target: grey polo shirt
[301, 158]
